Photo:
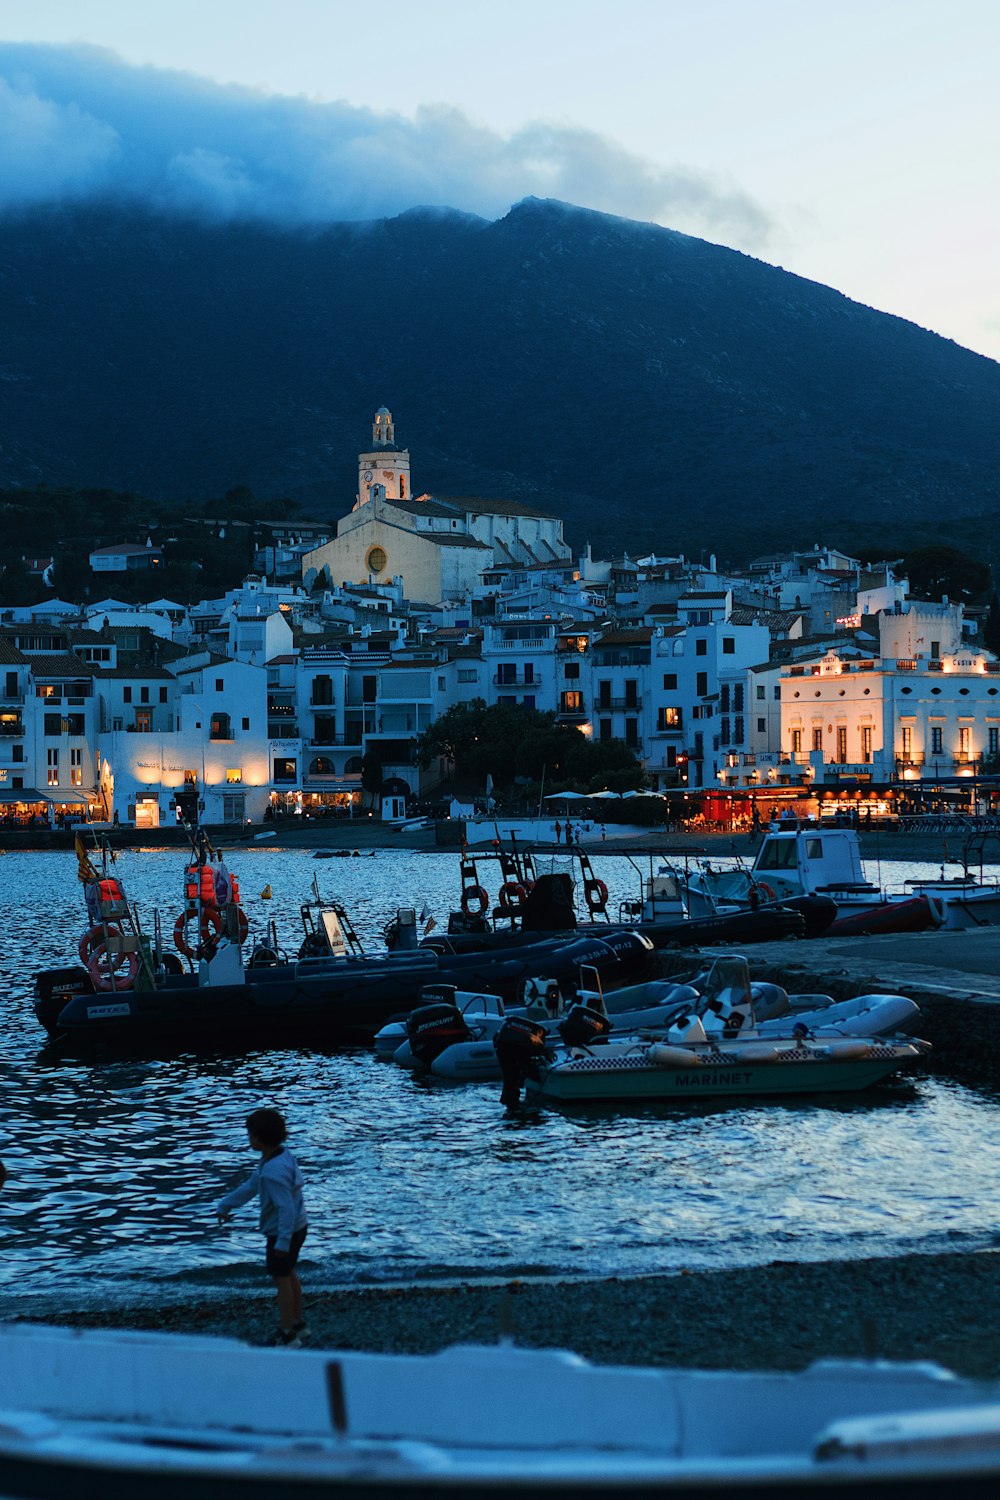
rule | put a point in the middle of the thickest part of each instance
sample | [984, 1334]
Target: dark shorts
[282, 1262]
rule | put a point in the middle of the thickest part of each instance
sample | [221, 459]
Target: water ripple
[116, 1166]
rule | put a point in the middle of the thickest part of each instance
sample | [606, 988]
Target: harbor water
[115, 1165]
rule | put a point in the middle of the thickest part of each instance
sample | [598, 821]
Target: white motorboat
[116, 1415]
[719, 1048]
[453, 1038]
[801, 858]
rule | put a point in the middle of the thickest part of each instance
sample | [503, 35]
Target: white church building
[439, 548]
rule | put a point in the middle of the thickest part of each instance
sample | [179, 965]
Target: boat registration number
[102, 1012]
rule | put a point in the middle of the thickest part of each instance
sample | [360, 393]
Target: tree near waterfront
[512, 743]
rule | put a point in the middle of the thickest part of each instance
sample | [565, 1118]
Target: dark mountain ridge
[655, 390]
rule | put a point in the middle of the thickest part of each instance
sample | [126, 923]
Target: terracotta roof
[626, 637]
[10, 656]
[62, 665]
[426, 508]
[142, 672]
[482, 507]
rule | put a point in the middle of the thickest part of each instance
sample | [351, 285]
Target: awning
[32, 794]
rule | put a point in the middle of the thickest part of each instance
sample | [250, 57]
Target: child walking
[277, 1182]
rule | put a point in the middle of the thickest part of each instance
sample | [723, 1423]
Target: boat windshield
[777, 854]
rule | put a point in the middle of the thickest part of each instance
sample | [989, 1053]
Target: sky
[853, 143]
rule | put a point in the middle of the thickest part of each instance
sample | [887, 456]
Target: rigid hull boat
[671, 1071]
[112, 1415]
[719, 1047]
[799, 859]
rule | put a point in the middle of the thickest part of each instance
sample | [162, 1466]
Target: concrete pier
[953, 976]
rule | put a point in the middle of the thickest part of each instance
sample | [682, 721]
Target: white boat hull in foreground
[116, 1415]
[646, 1070]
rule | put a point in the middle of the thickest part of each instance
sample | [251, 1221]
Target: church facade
[439, 548]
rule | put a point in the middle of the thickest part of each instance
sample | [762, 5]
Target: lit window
[234, 776]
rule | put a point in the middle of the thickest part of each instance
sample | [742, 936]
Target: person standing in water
[277, 1182]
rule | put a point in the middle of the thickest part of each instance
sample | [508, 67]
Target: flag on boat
[85, 870]
[429, 925]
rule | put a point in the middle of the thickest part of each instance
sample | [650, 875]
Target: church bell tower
[384, 463]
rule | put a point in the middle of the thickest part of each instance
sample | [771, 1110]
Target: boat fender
[846, 1050]
[596, 894]
[235, 888]
[758, 1052]
[672, 1057]
[511, 896]
[474, 894]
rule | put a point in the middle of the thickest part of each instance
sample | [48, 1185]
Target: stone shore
[781, 1316]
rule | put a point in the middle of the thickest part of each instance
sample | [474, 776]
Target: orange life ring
[596, 888]
[210, 930]
[112, 970]
[766, 890]
[511, 896]
[94, 939]
[180, 935]
[475, 892]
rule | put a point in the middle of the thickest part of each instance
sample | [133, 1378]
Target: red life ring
[596, 888]
[93, 940]
[511, 896]
[112, 970]
[766, 890]
[471, 893]
[242, 925]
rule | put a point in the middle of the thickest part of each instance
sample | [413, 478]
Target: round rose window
[376, 559]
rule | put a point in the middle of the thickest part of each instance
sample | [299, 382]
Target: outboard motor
[54, 989]
[432, 1028]
[518, 1044]
[583, 1025]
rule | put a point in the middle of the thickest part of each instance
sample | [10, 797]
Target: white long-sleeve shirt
[278, 1183]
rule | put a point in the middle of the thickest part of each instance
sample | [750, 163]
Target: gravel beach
[781, 1316]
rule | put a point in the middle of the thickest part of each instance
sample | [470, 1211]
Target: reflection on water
[116, 1165]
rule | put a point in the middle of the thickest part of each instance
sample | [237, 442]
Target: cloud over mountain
[78, 123]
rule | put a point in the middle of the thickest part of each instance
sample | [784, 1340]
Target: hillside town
[805, 680]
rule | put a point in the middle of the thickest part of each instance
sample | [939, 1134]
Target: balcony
[571, 715]
[11, 729]
[911, 758]
[503, 679]
[618, 705]
[282, 729]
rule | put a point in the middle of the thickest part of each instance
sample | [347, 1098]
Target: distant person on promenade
[558, 830]
[277, 1182]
